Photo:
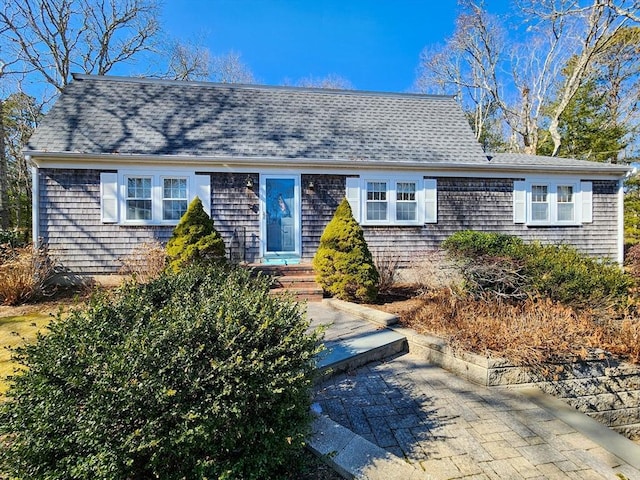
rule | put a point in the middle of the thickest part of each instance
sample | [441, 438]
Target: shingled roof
[108, 115]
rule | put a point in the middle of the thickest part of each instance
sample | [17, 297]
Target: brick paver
[453, 429]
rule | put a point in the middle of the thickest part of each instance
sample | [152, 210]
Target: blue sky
[374, 44]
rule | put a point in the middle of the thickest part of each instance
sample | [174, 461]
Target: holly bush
[343, 263]
[197, 374]
[194, 238]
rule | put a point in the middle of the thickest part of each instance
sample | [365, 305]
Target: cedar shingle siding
[70, 224]
[70, 219]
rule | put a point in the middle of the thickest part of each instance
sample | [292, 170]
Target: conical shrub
[194, 238]
[343, 263]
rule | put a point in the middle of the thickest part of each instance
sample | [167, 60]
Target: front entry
[281, 218]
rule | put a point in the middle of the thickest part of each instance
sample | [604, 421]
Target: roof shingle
[105, 115]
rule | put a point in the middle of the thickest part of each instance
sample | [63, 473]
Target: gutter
[229, 162]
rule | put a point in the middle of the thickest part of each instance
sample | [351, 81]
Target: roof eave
[43, 158]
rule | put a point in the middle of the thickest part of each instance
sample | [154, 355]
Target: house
[117, 160]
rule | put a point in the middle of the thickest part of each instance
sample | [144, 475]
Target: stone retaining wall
[601, 387]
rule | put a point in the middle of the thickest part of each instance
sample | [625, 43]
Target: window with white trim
[547, 203]
[566, 203]
[406, 202]
[139, 204]
[160, 198]
[400, 200]
[174, 198]
[377, 205]
[540, 203]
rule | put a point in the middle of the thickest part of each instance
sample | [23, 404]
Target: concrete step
[350, 353]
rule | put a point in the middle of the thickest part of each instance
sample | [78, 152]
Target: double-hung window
[566, 203]
[540, 203]
[406, 202]
[377, 204]
[139, 203]
[552, 202]
[174, 198]
[151, 198]
[401, 200]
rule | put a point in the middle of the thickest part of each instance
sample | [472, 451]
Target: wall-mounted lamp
[250, 183]
[310, 185]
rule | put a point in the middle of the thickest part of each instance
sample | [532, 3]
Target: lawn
[14, 332]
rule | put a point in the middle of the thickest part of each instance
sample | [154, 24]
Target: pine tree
[343, 263]
[194, 238]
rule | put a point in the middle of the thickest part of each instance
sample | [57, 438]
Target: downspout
[621, 222]
[35, 205]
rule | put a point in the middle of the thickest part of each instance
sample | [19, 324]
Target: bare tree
[188, 61]
[330, 81]
[528, 83]
[466, 65]
[229, 68]
[54, 38]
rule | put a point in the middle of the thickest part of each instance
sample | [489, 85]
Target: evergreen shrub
[343, 263]
[195, 237]
[197, 374]
[559, 272]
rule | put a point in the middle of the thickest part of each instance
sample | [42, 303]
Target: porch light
[249, 183]
[310, 185]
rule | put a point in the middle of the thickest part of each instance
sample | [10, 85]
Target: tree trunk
[4, 182]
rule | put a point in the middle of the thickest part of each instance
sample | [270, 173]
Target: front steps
[298, 280]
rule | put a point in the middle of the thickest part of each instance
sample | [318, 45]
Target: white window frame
[127, 198]
[392, 202]
[196, 185]
[163, 198]
[552, 201]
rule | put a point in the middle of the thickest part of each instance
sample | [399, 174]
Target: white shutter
[202, 190]
[109, 197]
[353, 196]
[586, 194]
[430, 200]
[519, 202]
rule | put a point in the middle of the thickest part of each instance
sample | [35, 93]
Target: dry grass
[24, 273]
[145, 262]
[531, 333]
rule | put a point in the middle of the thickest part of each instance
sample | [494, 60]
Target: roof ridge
[254, 86]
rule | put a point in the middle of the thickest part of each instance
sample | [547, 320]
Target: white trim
[109, 203]
[352, 194]
[392, 182]
[297, 214]
[430, 200]
[326, 165]
[552, 201]
[621, 222]
[35, 206]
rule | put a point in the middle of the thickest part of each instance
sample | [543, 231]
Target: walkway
[446, 427]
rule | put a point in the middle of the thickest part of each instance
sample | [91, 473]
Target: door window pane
[280, 197]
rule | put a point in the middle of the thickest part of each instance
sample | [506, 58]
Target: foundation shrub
[343, 263]
[557, 272]
[197, 374]
[145, 262]
[194, 238]
[24, 274]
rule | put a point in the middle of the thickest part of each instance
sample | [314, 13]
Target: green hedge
[200, 374]
[558, 272]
